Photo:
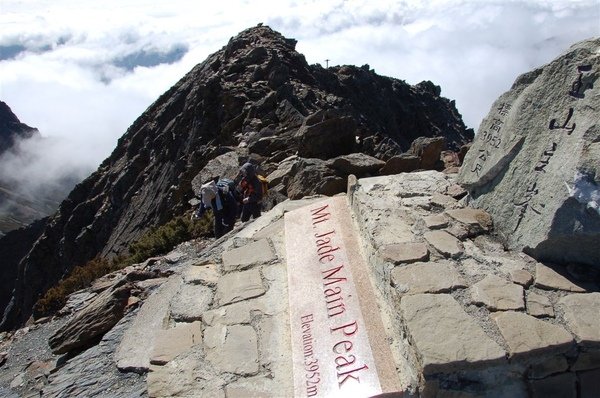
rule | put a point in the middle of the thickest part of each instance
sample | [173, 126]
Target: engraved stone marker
[338, 342]
[534, 163]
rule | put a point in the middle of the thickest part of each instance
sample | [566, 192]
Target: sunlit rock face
[534, 164]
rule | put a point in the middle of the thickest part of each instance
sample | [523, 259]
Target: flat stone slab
[473, 217]
[446, 338]
[408, 252]
[257, 386]
[339, 346]
[582, 314]
[432, 277]
[152, 317]
[442, 200]
[244, 257]
[232, 348]
[172, 342]
[521, 277]
[190, 302]
[185, 377]
[548, 278]
[529, 337]
[206, 274]
[539, 306]
[436, 221]
[239, 286]
[498, 294]
[444, 243]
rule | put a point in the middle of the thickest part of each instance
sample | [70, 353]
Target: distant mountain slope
[11, 128]
[20, 207]
[256, 92]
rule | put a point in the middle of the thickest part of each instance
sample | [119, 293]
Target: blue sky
[82, 71]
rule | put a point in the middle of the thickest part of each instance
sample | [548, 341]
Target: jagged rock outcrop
[11, 128]
[256, 92]
[535, 164]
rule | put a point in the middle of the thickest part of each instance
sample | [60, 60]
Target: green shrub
[157, 241]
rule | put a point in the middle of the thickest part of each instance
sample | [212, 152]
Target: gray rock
[554, 278]
[152, 317]
[257, 386]
[521, 277]
[439, 277]
[93, 373]
[582, 313]
[444, 201]
[244, 257]
[436, 221]
[331, 137]
[358, 164]
[174, 341]
[429, 151]
[529, 337]
[445, 337]
[476, 221]
[498, 294]
[538, 305]
[186, 376]
[534, 163]
[232, 348]
[190, 302]
[404, 163]
[284, 171]
[93, 321]
[404, 253]
[313, 177]
[239, 286]
[226, 165]
[444, 243]
[206, 274]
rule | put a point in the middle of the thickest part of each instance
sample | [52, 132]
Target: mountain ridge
[256, 92]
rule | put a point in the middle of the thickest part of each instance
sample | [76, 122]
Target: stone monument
[535, 162]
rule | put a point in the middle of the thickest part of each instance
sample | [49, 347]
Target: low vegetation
[157, 241]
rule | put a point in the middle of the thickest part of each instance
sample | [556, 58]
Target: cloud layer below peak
[81, 72]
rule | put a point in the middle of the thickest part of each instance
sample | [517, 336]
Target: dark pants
[223, 223]
[250, 209]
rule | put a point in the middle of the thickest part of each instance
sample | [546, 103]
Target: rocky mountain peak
[256, 97]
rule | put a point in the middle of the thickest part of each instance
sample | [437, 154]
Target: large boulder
[328, 138]
[429, 150]
[226, 165]
[358, 164]
[534, 164]
[91, 323]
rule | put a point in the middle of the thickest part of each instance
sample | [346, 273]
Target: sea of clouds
[81, 72]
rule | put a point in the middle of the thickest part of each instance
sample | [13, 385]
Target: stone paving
[463, 316]
[471, 318]
[219, 326]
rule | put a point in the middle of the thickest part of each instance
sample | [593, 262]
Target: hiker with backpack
[219, 196]
[251, 191]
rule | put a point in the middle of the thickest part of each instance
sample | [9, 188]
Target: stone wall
[464, 314]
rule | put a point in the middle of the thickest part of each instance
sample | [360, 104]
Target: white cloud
[66, 84]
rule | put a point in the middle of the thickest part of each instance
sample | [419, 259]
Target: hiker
[217, 195]
[251, 192]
